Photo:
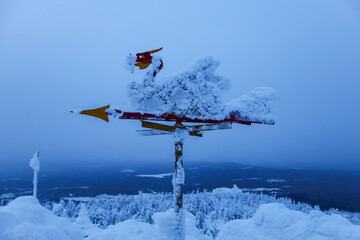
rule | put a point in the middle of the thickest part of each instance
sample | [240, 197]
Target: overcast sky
[61, 55]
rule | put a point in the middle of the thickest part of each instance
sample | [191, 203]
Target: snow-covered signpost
[193, 96]
[35, 164]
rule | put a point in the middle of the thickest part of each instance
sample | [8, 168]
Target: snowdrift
[274, 221]
[25, 219]
[162, 229]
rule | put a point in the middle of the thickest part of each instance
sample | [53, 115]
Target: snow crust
[275, 221]
[25, 219]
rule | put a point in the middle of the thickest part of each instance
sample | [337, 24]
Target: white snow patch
[275, 221]
[7, 195]
[238, 179]
[256, 105]
[162, 229]
[260, 189]
[248, 167]
[275, 180]
[25, 219]
[59, 188]
[80, 199]
[162, 175]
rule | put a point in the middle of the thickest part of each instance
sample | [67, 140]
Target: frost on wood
[195, 92]
[178, 182]
[35, 164]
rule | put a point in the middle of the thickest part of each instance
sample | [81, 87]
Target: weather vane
[192, 101]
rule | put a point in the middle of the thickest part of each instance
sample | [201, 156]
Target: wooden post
[178, 183]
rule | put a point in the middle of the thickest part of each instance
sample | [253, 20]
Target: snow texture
[35, 164]
[257, 105]
[197, 92]
[211, 209]
[275, 221]
[25, 219]
[130, 63]
[223, 214]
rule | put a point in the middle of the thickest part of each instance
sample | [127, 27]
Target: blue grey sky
[61, 55]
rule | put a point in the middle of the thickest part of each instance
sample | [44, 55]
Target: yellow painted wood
[157, 126]
[97, 112]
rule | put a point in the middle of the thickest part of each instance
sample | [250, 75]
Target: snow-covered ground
[25, 219]
[236, 215]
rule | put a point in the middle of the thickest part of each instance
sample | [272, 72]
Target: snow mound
[274, 221]
[160, 230]
[25, 219]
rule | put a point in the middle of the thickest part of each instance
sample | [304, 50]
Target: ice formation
[35, 164]
[256, 105]
[197, 92]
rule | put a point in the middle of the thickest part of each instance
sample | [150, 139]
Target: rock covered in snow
[25, 219]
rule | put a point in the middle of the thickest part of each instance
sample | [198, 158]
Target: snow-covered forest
[224, 213]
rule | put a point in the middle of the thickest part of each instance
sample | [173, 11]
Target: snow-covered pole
[35, 164]
[178, 182]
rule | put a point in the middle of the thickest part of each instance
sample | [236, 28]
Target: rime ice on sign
[195, 92]
[257, 105]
